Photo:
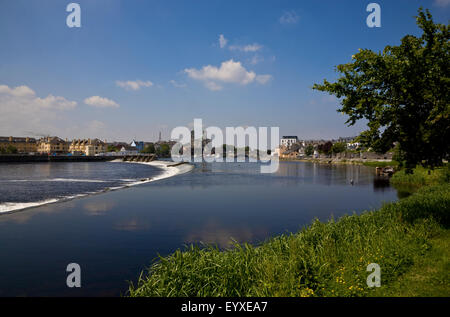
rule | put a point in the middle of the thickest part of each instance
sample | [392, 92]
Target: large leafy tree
[338, 147]
[325, 148]
[403, 93]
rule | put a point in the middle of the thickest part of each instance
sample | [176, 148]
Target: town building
[53, 145]
[353, 145]
[288, 141]
[128, 150]
[346, 139]
[22, 144]
[89, 147]
[139, 145]
[289, 154]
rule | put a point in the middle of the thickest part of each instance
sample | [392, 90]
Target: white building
[287, 141]
[129, 150]
[353, 145]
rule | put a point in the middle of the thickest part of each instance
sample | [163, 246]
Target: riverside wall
[23, 158]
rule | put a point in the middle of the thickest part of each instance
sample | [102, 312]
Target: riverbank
[325, 259]
[371, 163]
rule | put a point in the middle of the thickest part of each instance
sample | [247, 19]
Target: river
[114, 234]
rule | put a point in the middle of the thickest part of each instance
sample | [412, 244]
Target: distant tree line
[162, 150]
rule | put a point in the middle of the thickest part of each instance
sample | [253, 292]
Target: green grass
[380, 164]
[422, 176]
[428, 276]
[325, 259]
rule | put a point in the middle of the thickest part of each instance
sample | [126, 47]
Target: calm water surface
[114, 235]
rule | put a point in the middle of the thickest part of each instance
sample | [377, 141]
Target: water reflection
[381, 183]
[224, 236]
[325, 174]
[97, 208]
[25, 215]
[132, 224]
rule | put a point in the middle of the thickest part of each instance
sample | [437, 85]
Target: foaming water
[25, 186]
[8, 207]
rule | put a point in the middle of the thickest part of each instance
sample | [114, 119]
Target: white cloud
[100, 102]
[133, 85]
[25, 99]
[228, 72]
[222, 41]
[256, 59]
[19, 91]
[246, 48]
[213, 86]
[176, 84]
[263, 79]
[441, 3]
[22, 110]
[289, 17]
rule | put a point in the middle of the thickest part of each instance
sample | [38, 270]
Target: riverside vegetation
[409, 239]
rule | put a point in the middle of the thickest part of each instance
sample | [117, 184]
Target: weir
[139, 158]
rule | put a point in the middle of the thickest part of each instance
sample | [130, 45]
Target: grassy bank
[422, 177]
[380, 163]
[408, 239]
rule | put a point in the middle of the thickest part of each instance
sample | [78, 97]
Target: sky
[136, 68]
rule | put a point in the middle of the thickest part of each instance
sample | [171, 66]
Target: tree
[112, 148]
[150, 148]
[11, 149]
[309, 150]
[164, 150]
[325, 148]
[403, 93]
[338, 147]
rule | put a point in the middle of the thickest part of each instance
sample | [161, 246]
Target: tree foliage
[150, 148]
[338, 147]
[163, 150]
[112, 148]
[325, 148]
[309, 150]
[10, 149]
[403, 93]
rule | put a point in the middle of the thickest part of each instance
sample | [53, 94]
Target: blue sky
[135, 68]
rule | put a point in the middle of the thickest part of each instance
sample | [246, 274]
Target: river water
[117, 233]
